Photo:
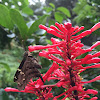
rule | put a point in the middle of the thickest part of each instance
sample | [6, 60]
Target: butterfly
[27, 69]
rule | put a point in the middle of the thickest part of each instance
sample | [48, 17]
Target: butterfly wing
[26, 71]
[19, 69]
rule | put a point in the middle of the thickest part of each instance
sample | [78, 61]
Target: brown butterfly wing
[20, 67]
[27, 70]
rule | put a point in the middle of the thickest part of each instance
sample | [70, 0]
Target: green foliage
[24, 3]
[27, 10]
[87, 13]
[84, 11]
[9, 62]
[5, 96]
[34, 27]
[48, 9]
[98, 48]
[51, 22]
[15, 17]
[5, 19]
[59, 13]
[64, 10]
[19, 21]
[52, 5]
[3, 37]
[58, 17]
[7, 67]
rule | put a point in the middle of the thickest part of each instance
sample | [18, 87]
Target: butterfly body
[28, 69]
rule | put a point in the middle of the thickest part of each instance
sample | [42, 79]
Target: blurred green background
[19, 21]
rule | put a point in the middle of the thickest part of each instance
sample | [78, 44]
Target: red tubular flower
[66, 66]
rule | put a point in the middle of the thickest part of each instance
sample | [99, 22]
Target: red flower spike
[95, 79]
[51, 31]
[83, 34]
[59, 26]
[39, 47]
[95, 27]
[90, 91]
[56, 29]
[94, 98]
[43, 27]
[66, 67]
[79, 29]
[96, 54]
[68, 25]
[52, 68]
[8, 89]
[95, 45]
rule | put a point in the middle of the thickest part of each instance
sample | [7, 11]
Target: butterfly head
[26, 54]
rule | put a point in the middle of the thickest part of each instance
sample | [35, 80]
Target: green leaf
[27, 2]
[48, 41]
[48, 9]
[52, 5]
[42, 40]
[5, 19]
[11, 97]
[24, 3]
[3, 37]
[27, 10]
[7, 67]
[96, 85]
[98, 48]
[51, 22]
[64, 10]
[40, 32]
[58, 17]
[35, 26]
[20, 22]
[44, 62]
[3, 95]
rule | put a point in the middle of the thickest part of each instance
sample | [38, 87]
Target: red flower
[66, 66]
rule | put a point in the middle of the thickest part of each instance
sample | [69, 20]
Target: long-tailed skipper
[28, 69]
